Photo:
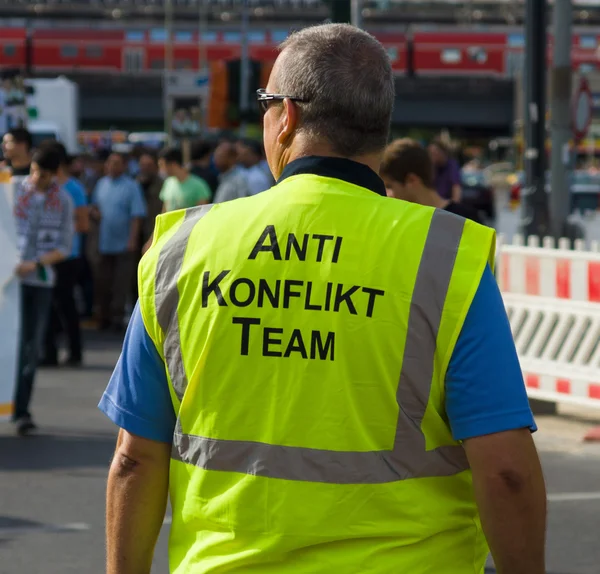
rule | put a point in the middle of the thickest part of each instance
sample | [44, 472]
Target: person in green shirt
[181, 189]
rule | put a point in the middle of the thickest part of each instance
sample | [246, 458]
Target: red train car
[586, 50]
[144, 51]
[453, 51]
[76, 50]
[459, 52]
[13, 48]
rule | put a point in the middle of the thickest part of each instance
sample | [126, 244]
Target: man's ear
[289, 122]
[413, 180]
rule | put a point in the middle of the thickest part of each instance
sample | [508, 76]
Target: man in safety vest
[323, 378]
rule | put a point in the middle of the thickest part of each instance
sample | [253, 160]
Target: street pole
[356, 12]
[168, 106]
[244, 69]
[203, 66]
[560, 204]
[202, 29]
[535, 219]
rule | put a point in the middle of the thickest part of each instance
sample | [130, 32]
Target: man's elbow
[123, 466]
[512, 481]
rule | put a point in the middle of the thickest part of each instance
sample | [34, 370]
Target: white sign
[9, 301]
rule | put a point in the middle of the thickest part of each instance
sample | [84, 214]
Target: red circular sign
[582, 109]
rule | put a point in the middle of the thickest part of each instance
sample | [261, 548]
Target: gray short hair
[346, 77]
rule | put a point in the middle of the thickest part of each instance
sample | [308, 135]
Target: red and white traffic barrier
[552, 296]
[549, 272]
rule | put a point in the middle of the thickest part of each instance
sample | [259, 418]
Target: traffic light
[340, 11]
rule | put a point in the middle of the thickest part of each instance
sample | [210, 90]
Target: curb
[593, 435]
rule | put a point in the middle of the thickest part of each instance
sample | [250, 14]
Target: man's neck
[431, 198]
[301, 148]
[182, 174]
[62, 178]
[20, 162]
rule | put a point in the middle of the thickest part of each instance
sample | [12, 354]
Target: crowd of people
[83, 224]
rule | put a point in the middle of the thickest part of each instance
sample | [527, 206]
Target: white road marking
[573, 496]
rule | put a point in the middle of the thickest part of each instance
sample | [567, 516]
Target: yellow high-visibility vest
[306, 334]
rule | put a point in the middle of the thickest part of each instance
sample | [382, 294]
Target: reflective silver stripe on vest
[168, 268]
[409, 457]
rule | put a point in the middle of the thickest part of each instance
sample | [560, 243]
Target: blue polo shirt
[120, 201]
[77, 193]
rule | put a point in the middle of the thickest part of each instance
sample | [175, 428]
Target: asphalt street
[52, 485]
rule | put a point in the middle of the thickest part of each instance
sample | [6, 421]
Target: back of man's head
[22, 136]
[47, 158]
[172, 155]
[65, 158]
[201, 149]
[404, 157]
[345, 78]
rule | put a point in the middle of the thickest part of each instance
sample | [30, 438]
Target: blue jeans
[35, 310]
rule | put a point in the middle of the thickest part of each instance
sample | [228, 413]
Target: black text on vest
[225, 289]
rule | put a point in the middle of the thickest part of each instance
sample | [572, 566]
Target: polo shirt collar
[337, 168]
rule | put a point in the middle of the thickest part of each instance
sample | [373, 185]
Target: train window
[588, 42]
[184, 37]
[279, 36]
[209, 37]
[158, 35]
[69, 51]
[451, 56]
[586, 68]
[477, 54]
[516, 40]
[256, 37]
[93, 52]
[10, 50]
[232, 37]
[134, 36]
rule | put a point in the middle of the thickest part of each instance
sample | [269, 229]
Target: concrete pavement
[52, 485]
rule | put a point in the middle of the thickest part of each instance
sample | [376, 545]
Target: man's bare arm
[136, 502]
[511, 496]
[456, 193]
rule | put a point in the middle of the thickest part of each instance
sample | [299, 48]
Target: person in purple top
[446, 172]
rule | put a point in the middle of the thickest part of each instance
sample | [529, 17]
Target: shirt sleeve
[138, 203]
[137, 398]
[78, 195]
[485, 391]
[67, 227]
[202, 191]
[95, 192]
[454, 172]
[164, 192]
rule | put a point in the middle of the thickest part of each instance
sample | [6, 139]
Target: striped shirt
[44, 222]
